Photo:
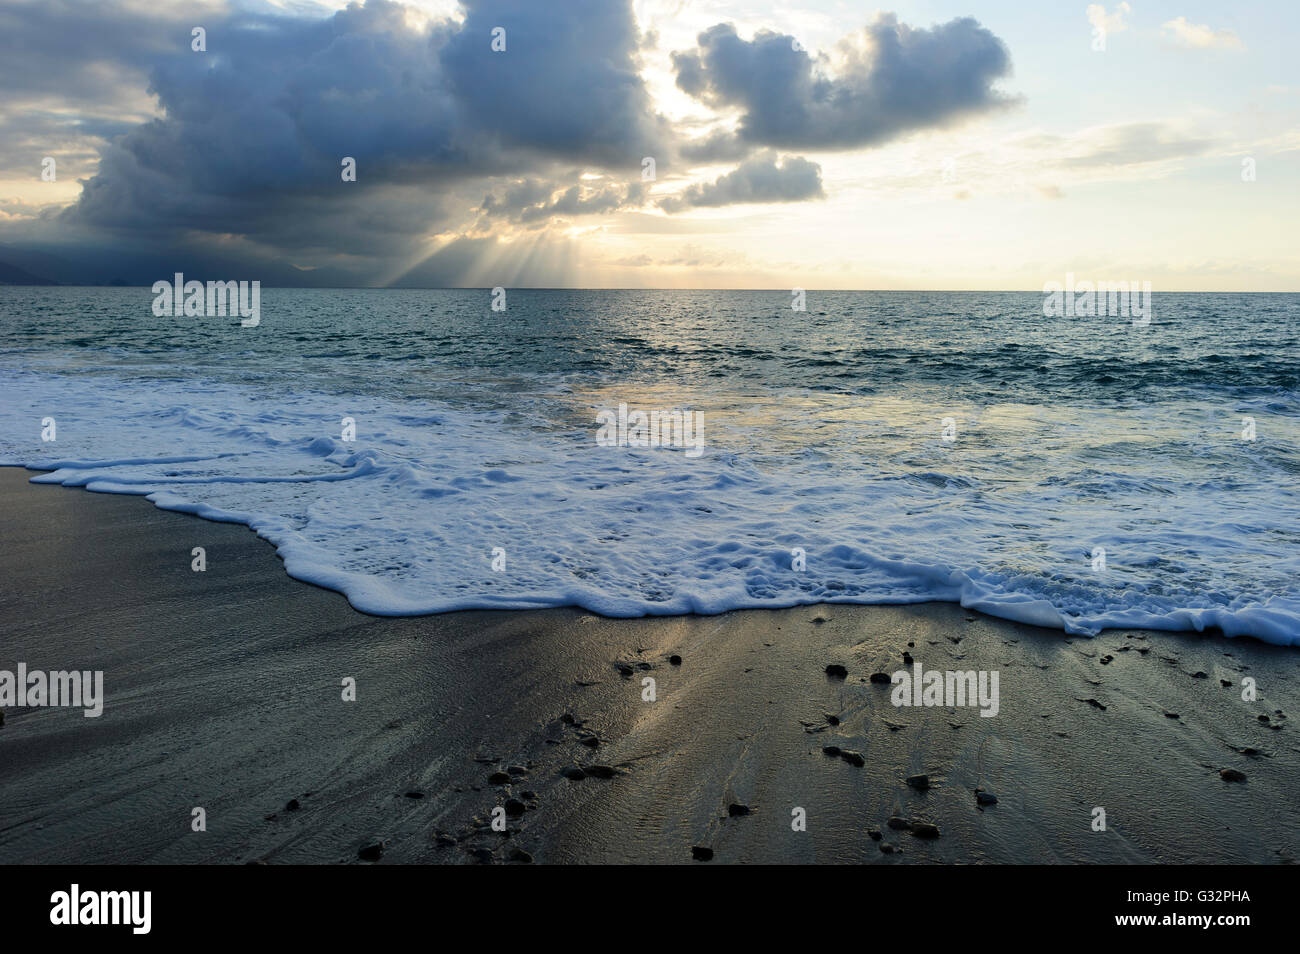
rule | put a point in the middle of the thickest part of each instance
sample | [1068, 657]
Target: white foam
[405, 519]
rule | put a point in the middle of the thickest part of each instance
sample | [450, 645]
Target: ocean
[420, 452]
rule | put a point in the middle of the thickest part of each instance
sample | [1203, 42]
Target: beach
[224, 691]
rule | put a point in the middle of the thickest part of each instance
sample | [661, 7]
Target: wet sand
[224, 691]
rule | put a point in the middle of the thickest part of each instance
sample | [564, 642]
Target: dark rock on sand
[601, 771]
[832, 720]
[886, 848]
[515, 808]
[836, 671]
[919, 782]
[292, 805]
[500, 778]
[898, 824]
[874, 834]
[573, 773]
[907, 659]
[443, 840]
[832, 750]
[520, 856]
[1094, 703]
[880, 678]
[1232, 775]
[372, 852]
[737, 810]
[925, 830]
[482, 855]
[985, 798]
[675, 659]
[590, 741]
[700, 853]
[516, 770]
[853, 758]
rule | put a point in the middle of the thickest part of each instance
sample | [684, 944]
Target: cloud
[1199, 36]
[758, 179]
[1113, 22]
[894, 79]
[244, 152]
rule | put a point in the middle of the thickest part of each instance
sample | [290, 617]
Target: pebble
[737, 810]
[874, 834]
[1232, 775]
[898, 824]
[675, 659]
[482, 854]
[925, 830]
[985, 798]
[372, 852]
[700, 853]
[853, 758]
[907, 659]
[880, 678]
[919, 782]
[514, 807]
[590, 741]
[832, 750]
[836, 671]
[573, 773]
[499, 778]
[601, 771]
[292, 805]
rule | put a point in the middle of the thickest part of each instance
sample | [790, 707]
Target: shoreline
[223, 692]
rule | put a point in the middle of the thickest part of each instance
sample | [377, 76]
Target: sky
[653, 143]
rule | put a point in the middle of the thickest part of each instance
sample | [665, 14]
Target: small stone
[573, 773]
[737, 810]
[1232, 775]
[567, 718]
[443, 840]
[832, 750]
[700, 853]
[1105, 660]
[292, 805]
[675, 659]
[853, 758]
[886, 848]
[985, 798]
[919, 782]
[590, 741]
[925, 830]
[517, 770]
[874, 834]
[880, 678]
[832, 720]
[1199, 675]
[514, 807]
[907, 659]
[601, 771]
[898, 824]
[1171, 715]
[520, 856]
[836, 671]
[499, 778]
[1262, 718]
[372, 852]
[482, 855]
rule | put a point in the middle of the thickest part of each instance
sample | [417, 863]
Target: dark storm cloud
[532, 201]
[254, 129]
[905, 79]
[758, 179]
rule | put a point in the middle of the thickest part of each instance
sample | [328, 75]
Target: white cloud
[1200, 36]
[1109, 22]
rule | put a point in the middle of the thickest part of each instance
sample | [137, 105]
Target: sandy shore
[224, 691]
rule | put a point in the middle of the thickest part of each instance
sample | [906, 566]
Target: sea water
[879, 447]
